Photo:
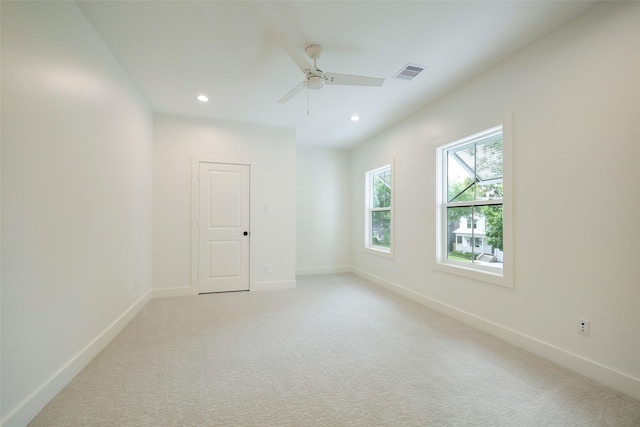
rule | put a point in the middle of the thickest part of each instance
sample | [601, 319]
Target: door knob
[246, 233]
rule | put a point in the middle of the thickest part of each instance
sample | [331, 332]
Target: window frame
[369, 247]
[503, 276]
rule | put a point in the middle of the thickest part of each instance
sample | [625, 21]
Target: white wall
[270, 151]
[575, 101]
[323, 211]
[76, 211]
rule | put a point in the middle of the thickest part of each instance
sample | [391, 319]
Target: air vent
[409, 71]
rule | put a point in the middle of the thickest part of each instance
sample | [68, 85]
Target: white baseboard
[322, 270]
[174, 292]
[36, 401]
[594, 370]
[258, 286]
[269, 286]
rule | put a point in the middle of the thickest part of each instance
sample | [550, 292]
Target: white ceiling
[175, 50]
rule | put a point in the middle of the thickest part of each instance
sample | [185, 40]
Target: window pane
[460, 167]
[490, 217]
[491, 190]
[474, 235]
[381, 228]
[381, 189]
[459, 245]
[489, 158]
[489, 168]
[474, 171]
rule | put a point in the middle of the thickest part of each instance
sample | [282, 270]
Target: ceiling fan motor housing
[313, 50]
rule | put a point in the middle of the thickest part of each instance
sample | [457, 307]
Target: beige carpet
[337, 351]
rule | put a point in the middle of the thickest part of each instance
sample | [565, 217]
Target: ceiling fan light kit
[315, 81]
[315, 78]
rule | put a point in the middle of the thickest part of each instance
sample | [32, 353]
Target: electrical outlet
[266, 268]
[583, 327]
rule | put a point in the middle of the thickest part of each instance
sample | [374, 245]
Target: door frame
[195, 217]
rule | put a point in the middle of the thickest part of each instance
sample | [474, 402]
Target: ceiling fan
[315, 78]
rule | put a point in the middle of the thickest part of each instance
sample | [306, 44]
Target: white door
[223, 228]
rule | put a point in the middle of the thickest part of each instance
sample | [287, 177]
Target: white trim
[174, 292]
[487, 133]
[274, 285]
[259, 286]
[476, 272]
[322, 270]
[383, 252]
[36, 401]
[589, 368]
[195, 217]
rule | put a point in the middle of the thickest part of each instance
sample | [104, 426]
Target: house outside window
[471, 204]
[379, 213]
[479, 236]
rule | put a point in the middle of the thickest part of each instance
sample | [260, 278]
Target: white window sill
[497, 278]
[383, 252]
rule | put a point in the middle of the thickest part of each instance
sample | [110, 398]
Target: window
[471, 195]
[459, 240]
[379, 214]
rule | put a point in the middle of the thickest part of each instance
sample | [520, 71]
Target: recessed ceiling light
[202, 98]
[355, 118]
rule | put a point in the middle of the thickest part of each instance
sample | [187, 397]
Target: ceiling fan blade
[298, 57]
[349, 80]
[293, 92]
